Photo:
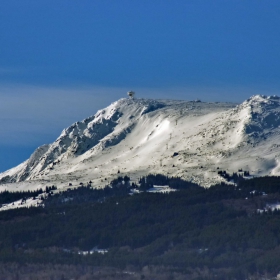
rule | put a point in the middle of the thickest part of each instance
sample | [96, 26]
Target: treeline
[120, 186]
[8, 197]
[149, 181]
[85, 194]
[235, 177]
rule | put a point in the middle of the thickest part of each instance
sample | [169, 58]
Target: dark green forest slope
[215, 233]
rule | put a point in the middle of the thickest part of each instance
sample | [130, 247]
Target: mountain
[135, 137]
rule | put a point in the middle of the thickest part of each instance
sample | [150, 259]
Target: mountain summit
[189, 139]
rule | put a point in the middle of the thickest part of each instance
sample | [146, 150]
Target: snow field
[136, 137]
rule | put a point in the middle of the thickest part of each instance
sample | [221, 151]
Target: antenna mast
[131, 94]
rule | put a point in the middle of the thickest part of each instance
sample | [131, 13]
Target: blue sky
[62, 60]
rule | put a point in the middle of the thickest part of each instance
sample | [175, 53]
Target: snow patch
[160, 189]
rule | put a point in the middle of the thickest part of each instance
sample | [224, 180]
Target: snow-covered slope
[178, 138]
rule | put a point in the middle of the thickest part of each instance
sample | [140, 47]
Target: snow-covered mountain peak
[262, 114]
[261, 102]
[120, 113]
[189, 139]
[263, 98]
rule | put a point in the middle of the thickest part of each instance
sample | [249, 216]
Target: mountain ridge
[187, 139]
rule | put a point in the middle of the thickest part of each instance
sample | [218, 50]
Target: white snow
[272, 207]
[138, 137]
[22, 203]
[92, 251]
[161, 189]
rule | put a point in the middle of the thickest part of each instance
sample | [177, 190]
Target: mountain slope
[178, 138]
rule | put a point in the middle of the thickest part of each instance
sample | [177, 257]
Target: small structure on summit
[131, 94]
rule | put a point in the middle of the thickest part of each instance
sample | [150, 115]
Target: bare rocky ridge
[189, 139]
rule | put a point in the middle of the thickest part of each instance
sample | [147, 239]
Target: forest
[225, 232]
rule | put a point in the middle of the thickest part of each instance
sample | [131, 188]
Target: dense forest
[225, 232]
